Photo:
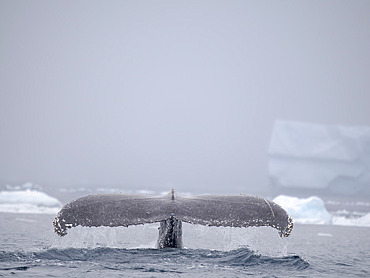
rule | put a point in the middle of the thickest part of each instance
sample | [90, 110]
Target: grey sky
[153, 94]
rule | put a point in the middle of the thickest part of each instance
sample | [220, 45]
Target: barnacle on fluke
[114, 210]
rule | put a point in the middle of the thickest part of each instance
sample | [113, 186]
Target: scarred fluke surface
[212, 210]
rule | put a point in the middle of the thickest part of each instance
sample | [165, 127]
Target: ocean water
[30, 248]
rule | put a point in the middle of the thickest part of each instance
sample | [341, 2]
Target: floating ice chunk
[324, 234]
[305, 211]
[28, 201]
[363, 221]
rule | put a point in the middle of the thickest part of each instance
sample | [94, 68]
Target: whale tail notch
[114, 210]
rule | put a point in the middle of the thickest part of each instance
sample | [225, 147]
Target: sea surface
[29, 248]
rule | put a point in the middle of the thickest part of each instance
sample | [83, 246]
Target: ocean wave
[178, 260]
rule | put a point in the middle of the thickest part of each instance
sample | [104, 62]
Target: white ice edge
[28, 201]
[312, 211]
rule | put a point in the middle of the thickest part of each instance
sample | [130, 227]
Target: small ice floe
[324, 234]
[26, 220]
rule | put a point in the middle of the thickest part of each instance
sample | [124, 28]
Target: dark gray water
[29, 248]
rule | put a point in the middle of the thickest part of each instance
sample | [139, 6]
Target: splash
[262, 240]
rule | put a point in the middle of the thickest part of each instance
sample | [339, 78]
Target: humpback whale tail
[170, 210]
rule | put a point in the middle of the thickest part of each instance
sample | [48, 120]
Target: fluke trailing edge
[170, 210]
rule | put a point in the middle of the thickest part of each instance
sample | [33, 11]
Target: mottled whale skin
[170, 211]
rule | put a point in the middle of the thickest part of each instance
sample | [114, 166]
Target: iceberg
[305, 211]
[28, 201]
[304, 155]
[312, 211]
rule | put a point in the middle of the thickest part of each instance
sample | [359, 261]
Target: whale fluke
[211, 210]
